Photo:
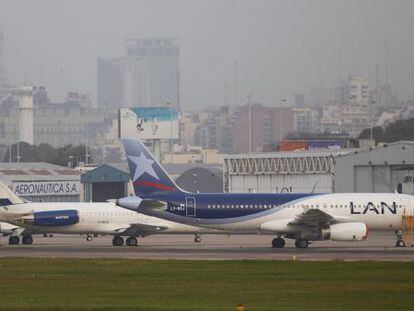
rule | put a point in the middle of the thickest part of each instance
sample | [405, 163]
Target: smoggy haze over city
[272, 48]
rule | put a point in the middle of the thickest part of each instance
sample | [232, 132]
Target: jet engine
[52, 218]
[348, 231]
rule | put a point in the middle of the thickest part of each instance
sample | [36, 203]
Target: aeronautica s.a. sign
[46, 188]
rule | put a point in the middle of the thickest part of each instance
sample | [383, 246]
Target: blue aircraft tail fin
[146, 173]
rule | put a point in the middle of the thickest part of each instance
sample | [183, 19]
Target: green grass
[204, 285]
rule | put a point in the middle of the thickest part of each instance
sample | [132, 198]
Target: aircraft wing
[317, 218]
[140, 229]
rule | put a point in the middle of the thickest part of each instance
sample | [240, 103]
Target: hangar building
[41, 182]
[387, 168]
[107, 181]
[111, 180]
[380, 169]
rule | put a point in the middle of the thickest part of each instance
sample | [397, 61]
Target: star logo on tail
[143, 165]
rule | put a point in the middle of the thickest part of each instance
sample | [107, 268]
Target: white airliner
[82, 218]
[305, 217]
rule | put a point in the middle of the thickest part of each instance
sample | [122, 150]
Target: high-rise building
[5, 87]
[148, 76]
[358, 90]
[306, 120]
[299, 100]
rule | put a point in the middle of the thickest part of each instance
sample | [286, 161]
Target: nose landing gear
[197, 238]
[400, 241]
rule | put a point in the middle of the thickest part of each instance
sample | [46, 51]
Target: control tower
[26, 114]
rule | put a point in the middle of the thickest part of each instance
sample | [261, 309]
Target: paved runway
[379, 246]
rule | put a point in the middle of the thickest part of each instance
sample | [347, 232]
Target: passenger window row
[267, 206]
[240, 206]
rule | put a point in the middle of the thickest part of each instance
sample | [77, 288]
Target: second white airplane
[83, 218]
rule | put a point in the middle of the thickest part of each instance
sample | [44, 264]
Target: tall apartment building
[306, 120]
[5, 87]
[148, 76]
[358, 90]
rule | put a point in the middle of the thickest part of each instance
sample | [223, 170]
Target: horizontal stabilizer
[137, 204]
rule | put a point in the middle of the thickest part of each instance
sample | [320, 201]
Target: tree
[399, 130]
[46, 153]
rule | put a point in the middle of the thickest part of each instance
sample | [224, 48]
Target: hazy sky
[281, 47]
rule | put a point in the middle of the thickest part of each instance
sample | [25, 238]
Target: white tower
[26, 114]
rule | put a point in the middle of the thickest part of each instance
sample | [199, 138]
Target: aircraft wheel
[132, 241]
[400, 243]
[278, 243]
[14, 240]
[197, 239]
[117, 241]
[301, 243]
[27, 240]
[89, 238]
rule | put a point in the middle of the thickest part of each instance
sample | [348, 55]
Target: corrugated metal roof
[36, 171]
[105, 173]
[290, 154]
[29, 165]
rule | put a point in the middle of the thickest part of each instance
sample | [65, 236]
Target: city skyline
[270, 49]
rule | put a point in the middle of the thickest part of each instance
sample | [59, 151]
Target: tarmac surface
[378, 247]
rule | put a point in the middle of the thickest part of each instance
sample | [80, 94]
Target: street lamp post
[171, 125]
[104, 133]
[371, 124]
[282, 101]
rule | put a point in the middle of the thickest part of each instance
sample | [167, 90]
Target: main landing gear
[119, 241]
[132, 241]
[89, 237]
[400, 241]
[301, 243]
[14, 240]
[27, 240]
[278, 242]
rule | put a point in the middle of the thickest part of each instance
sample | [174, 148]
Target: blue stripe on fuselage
[225, 205]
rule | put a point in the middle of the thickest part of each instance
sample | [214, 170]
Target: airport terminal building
[387, 168]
